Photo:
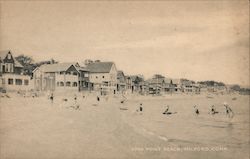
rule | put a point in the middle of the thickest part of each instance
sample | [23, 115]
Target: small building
[177, 85]
[11, 74]
[121, 81]
[103, 75]
[160, 85]
[61, 77]
[134, 83]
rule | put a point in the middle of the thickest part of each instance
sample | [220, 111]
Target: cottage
[133, 83]
[190, 86]
[61, 77]
[160, 85]
[177, 85]
[121, 81]
[103, 75]
[11, 74]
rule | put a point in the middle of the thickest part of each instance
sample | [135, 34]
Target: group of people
[213, 111]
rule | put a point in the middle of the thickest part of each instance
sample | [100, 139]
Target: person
[75, 97]
[98, 98]
[51, 97]
[167, 112]
[197, 112]
[140, 108]
[213, 111]
[229, 111]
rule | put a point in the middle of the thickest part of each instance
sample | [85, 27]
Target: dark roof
[100, 67]
[3, 54]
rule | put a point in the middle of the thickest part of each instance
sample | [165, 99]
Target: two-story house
[11, 73]
[103, 75]
[61, 77]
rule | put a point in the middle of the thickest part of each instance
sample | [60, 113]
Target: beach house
[121, 81]
[11, 73]
[103, 75]
[61, 77]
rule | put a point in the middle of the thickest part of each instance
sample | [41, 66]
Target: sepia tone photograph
[107, 79]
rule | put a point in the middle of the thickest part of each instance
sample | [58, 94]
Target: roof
[159, 80]
[120, 74]
[176, 81]
[100, 67]
[55, 67]
[81, 69]
[4, 53]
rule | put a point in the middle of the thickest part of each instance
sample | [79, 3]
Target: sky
[198, 40]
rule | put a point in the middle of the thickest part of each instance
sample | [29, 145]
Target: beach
[37, 128]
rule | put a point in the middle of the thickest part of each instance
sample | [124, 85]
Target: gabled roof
[81, 69]
[55, 67]
[3, 54]
[120, 74]
[100, 67]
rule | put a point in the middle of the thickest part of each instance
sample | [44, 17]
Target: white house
[11, 74]
[61, 77]
[103, 75]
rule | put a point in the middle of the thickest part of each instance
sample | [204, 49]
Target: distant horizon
[189, 39]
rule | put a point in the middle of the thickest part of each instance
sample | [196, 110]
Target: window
[10, 81]
[103, 77]
[75, 73]
[96, 77]
[67, 73]
[19, 82]
[6, 68]
[75, 84]
[26, 82]
[68, 84]
[11, 68]
[86, 75]
[61, 84]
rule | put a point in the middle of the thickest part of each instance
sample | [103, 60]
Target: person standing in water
[141, 108]
[51, 97]
[197, 112]
[213, 111]
[229, 111]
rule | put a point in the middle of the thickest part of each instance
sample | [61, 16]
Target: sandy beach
[35, 128]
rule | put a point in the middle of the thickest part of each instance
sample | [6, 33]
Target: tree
[27, 63]
[24, 60]
[235, 87]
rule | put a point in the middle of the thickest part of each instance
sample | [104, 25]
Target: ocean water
[194, 135]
